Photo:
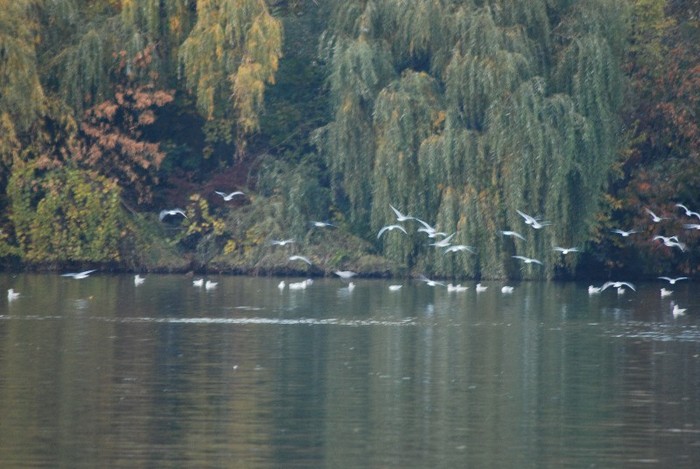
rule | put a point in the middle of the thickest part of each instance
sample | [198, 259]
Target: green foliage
[230, 55]
[67, 215]
[493, 113]
[22, 96]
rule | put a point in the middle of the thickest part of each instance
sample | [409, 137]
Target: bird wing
[398, 214]
[528, 219]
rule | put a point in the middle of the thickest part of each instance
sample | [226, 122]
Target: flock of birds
[441, 240]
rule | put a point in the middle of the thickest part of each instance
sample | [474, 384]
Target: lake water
[101, 373]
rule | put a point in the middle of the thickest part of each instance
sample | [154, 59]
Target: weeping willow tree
[466, 112]
[229, 56]
[22, 97]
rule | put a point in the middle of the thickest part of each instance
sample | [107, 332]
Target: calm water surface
[100, 373]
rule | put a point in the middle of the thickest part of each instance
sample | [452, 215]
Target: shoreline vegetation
[546, 140]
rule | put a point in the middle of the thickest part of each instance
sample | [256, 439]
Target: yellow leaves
[76, 216]
[237, 40]
[230, 246]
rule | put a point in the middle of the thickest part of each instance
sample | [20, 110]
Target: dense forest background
[461, 113]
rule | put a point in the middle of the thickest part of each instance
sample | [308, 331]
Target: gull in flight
[228, 196]
[138, 280]
[300, 258]
[173, 211]
[430, 283]
[673, 281]
[281, 242]
[654, 217]
[624, 233]
[593, 290]
[390, 228]
[400, 216]
[678, 311]
[12, 294]
[565, 251]
[688, 212]
[345, 274]
[322, 224]
[532, 221]
[79, 275]
[460, 247]
[514, 234]
[617, 285]
[692, 226]
[528, 260]
[443, 243]
[671, 241]
[429, 230]
[664, 293]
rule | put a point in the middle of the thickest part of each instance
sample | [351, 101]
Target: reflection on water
[99, 372]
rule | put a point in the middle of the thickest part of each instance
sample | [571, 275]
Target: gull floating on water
[351, 286]
[617, 285]
[507, 289]
[229, 196]
[395, 287]
[480, 288]
[456, 288]
[281, 285]
[12, 294]
[654, 217]
[300, 258]
[528, 260]
[345, 274]
[210, 285]
[281, 242]
[565, 251]
[138, 280]
[673, 281]
[664, 293]
[514, 234]
[198, 282]
[300, 285]
[390, 228]
[79, 275]
[532, 221]
[173, 211]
